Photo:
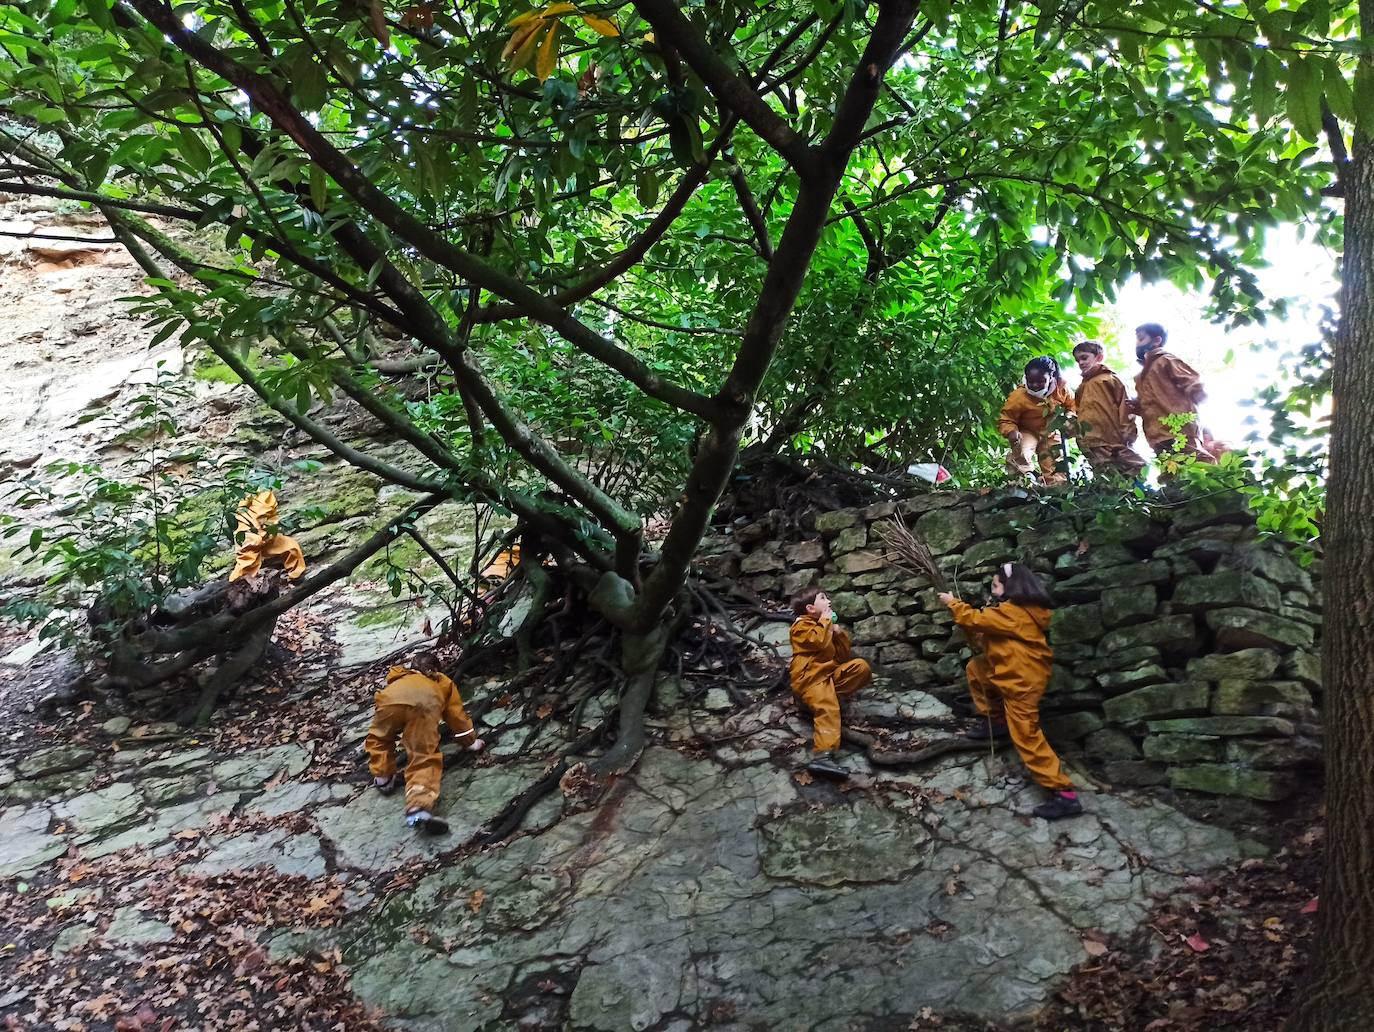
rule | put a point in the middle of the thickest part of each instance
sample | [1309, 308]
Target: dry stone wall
[1186, 642]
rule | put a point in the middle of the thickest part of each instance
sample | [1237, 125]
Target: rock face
[676, 899]
[1182, 613]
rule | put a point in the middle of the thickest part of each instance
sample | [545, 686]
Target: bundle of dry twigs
[907, 550]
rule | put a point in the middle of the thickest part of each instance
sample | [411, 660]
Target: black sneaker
[423, 820]
[1059, 806]
[388, 786]
[979, 731]
[825, 767]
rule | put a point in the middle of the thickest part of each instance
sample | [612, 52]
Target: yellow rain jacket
[1008, 679]
[411, 706]
[823, 671]
[256, 516]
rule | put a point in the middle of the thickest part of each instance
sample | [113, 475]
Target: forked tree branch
[730, 89]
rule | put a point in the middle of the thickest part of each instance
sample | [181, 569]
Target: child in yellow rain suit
[1025, 421]
[1008, 679]
[1168, 386]
[823, 671]
[411, 705]
[1106, 428]
[256, 521]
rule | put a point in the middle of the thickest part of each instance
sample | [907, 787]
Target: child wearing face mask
[1010, 675]
[1025, 420]
[1168, 386]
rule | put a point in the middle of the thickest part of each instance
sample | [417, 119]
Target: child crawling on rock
[411, 705]
[823, 672]
[1007, 680]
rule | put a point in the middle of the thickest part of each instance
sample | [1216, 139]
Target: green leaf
[319, 187]
[191, 148]
[646, 188]
[1264, 93]
[1304, 98]
[309, 84]
[165, 333]
[1339, 96]
[99, 12]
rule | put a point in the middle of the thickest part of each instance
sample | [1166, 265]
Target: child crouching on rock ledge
[823, 672]
[411, 705]
[1008, 679]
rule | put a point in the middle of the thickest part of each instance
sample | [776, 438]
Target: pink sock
[1069, 794]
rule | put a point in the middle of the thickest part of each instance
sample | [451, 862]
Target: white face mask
[1045, 391]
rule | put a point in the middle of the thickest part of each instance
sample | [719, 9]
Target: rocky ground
[191, 877]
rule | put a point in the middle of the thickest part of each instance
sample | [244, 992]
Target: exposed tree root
[886, 758]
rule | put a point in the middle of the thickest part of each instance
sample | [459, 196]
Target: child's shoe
[825, 765]
[427, 822]
[387, 785]
[1060, 806]
[980, 732]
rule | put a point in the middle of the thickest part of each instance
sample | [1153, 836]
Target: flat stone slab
[841, 845]
[163, 824]
[291, 796]
[368, 833]
[91, 813]
[57, 760]
[280, 850]
[253, 769]
[130, 928]
[26, 844]
[758, 892]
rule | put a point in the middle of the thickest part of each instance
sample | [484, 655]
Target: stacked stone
[1185, 645]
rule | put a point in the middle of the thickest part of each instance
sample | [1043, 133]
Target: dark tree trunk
[1339, 991]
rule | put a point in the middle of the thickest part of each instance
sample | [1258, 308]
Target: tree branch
[716, 457]
[633, 254]
[750, 208]
[729, 89]
[146, 207]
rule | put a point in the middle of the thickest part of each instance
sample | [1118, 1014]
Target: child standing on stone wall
[1106, 428]
[1168, 386]
[411, 705]
[1008, 679]
[823, 671]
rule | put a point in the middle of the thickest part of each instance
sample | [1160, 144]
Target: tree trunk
[640, 656]
[1339, 991]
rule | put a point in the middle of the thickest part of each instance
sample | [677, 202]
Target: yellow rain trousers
[1011, 675]
[823, 672]
[411, 706]
[257, 514]
[1030, 416]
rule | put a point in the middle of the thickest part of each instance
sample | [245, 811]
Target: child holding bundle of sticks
[1007, 680]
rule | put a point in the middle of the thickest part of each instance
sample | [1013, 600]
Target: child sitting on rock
[823, 672]
[411, 705]
[1008, 679]
[1025, 421]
